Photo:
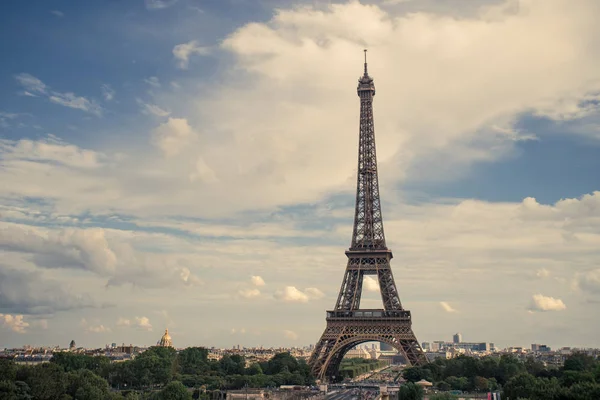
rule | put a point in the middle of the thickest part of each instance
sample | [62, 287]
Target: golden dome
[165, 340]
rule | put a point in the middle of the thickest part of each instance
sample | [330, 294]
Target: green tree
[232, 365]
[254, 369]
[579, 362]
[47, 381]
[520, 386]
[175, 391]
[193, 361]
[534, 367]
[85, 385]
[480, 384]
[527, 386]
[10, 390]
[508, 367]
[8, 370]
[281, 361]
[571, 377]
[410, 391]
[415, 374]
[583, 391]
[73, 362]
[155, 366]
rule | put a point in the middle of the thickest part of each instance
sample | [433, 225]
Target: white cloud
[257, 280]
[31, 83]
[542, 273]
[35, 86]
[40, 323]
[514, 134]
[159, 4]
[70, 248]
[545, 303]
[89, 328]
[290, 334]
[314, 293]
[107, 92]
[203, 172]
[291, 294]
[5, 117]
[143, 323]
[370, 284]
[14, 322]
[394, 2]
[188, 278]
[447, 307]
[152, 109]
[97, 329]
[153, 81]
[78, 102]
[589, 281]
[49, 151]
[182, 52]
[249, 293]
[26, 292]
[109, 254]
[59, 14]
[173, 136]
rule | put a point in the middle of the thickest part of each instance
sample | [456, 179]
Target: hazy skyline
[191, 164]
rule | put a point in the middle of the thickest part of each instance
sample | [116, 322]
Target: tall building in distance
[457, 338]
[540, 348]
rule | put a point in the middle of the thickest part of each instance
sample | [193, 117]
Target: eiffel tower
[347, 324]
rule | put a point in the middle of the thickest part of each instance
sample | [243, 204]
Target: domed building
[165, 340]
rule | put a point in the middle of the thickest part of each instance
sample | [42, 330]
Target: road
[352, 394]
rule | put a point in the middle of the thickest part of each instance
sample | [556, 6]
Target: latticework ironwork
[347, 324]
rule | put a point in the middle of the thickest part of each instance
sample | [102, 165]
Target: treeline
[577, 379]
[353, 367]
[158, 373]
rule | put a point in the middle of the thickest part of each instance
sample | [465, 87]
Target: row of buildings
[380, 351]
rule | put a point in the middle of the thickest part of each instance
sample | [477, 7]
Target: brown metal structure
[347, 324]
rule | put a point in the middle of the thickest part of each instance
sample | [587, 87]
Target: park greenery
[353, 367]
[159, 373]
[577, 379]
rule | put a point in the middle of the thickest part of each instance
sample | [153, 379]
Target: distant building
[357, 353]
[72, 345]
[437, 345]
[165, 340]
[457, 338]
[246, 394]
[540, 348]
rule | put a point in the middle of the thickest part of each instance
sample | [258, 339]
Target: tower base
[346, 329]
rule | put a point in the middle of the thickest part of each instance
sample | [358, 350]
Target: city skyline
[191, 165]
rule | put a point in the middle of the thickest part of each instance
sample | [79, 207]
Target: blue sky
[190, 164]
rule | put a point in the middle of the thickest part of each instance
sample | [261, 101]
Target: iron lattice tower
[347, 324]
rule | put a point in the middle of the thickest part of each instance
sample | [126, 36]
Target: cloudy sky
[190, 164]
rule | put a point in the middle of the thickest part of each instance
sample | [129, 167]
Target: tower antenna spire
[365, 62]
